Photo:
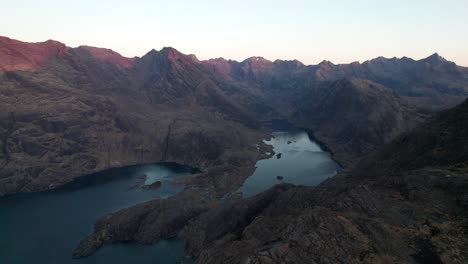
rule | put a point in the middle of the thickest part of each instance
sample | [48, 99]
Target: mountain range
[406, 202]
[72, 111]
[398, 127]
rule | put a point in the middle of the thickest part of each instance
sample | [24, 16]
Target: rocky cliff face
[87, 110]
[66, 111]
[17, 55]
[405, 203]
[369, 115]
[146, 223]
[109, 56]
[432, 83]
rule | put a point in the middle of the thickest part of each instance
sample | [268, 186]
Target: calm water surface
[46, 227]
[297, 160]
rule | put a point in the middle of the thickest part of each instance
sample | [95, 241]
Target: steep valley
[72, 111]
[393, 125]
[77, 114]
[404, 203]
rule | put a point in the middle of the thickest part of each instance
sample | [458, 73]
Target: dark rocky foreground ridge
[407, 202]
[66, 112]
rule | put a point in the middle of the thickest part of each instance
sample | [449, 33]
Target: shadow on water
[285, 126]
[298, 160]
[164, 170]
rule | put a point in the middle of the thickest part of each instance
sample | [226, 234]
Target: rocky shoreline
[68, 112]
[399, 208]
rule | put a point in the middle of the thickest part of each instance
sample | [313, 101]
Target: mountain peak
[379, 59]
[291, 63]
[254, 65]
[19, 55]
[219, 66]
[174, 55]
[170, 51]
[152, 52]
[434, 58]
[214, 60]
[326, 63]
[257, 59]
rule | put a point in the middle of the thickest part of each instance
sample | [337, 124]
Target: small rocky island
[153, 186]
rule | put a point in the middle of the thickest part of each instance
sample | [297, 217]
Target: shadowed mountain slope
[66, 111]
[392, 208]
[86, 110]
[432, 83]
[368, 115]
[406, 203]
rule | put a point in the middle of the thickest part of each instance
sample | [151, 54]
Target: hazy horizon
[309, 31]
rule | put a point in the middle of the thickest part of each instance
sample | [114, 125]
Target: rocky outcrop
[405, 203]
[366, 223]
[146, 223]
[81, 110]
[440, 142]
[84, 112]
[153, 186]
[390, 209]
[163, 219]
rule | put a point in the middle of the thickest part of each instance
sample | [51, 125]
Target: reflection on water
[302, 162]
[46, 227]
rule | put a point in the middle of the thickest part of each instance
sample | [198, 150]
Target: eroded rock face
[109, 56]
[66, 112]
[364, 223]
[16, 55]
[369, 115]
[87, 111]
[432, 83]
[411, 220]
[404, 204]
[409, 207]
[47, 147]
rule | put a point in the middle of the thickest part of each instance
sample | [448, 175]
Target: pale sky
[310, 31]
